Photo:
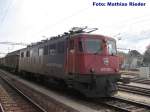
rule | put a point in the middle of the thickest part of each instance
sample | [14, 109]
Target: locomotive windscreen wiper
[98, 51]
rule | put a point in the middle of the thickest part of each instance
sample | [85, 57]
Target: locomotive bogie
[96, 86]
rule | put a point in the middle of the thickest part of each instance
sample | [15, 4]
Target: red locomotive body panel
[95, 63]
[83, 62]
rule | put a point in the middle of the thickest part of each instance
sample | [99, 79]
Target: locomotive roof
[75, 32]
[13, 53]
[97, 35]
[61, 38]
[58, 39]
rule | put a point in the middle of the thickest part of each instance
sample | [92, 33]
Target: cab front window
[111, 46]
[90, 46]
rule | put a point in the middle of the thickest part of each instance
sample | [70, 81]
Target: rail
[135, 89]
[1, 108]
[125, 105]
[141, 80]
[44, 99]
[25, 96]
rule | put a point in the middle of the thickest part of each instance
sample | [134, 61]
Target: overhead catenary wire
[10, 5]
[62, 20]
[2, 53]
[14, 43]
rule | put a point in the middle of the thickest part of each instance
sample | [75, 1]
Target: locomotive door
[71, 56]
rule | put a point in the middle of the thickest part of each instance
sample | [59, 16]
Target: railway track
[141, 80]
[1, 108]
[113, 104]
[124, 105]
[135, 89]
[39, 100]
[13, 100]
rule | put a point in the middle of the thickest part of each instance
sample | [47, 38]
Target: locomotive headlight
[92, 70]
[116, 70]
[105, 61]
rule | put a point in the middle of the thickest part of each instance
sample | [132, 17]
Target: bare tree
[146, 59]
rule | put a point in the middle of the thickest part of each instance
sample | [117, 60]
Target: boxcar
[12, 61]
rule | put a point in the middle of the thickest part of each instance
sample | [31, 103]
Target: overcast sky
[30, 21]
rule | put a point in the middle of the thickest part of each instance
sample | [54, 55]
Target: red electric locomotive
[83, 61]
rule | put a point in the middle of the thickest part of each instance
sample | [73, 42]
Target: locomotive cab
[92, 54]
[93, 62]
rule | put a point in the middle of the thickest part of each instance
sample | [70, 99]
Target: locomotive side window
[22, 54]
[45, 50]
[52, 49]
[28, 54]
[111, 46]
[80, 46]
[93, 46]
[71, 46]
[31, 53]
[40, 51]
[60, 47]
